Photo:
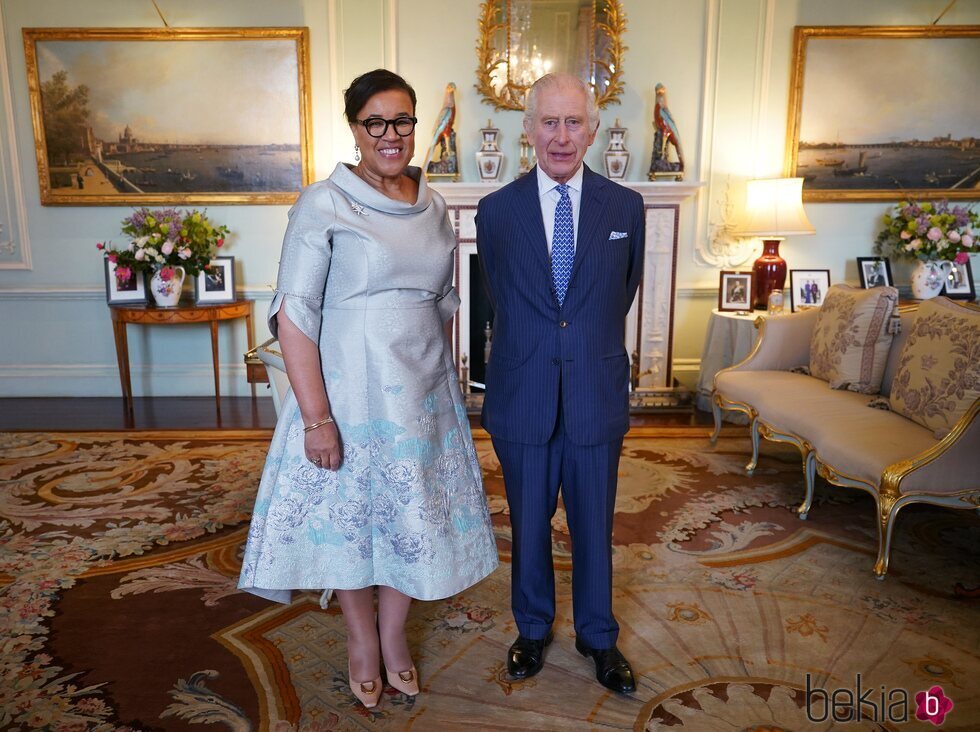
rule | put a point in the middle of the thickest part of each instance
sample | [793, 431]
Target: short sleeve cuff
[303, 313]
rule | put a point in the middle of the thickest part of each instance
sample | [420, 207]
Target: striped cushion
[851, 339]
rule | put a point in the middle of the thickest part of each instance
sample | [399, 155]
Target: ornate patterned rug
[119, 557]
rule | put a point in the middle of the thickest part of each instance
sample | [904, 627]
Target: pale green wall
[53, 318]
[54, 322]
[745, 135]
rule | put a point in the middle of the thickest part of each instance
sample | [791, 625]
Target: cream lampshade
[773, 211]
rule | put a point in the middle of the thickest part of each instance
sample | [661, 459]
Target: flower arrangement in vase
[938, 236]
[169, 243]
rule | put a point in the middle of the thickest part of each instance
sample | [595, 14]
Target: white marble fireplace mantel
[650, 323]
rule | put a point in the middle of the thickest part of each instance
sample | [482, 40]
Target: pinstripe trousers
[586, 476]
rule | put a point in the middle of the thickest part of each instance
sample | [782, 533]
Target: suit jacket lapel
[589, 217]
[529, 212]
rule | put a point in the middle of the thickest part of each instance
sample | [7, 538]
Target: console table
[122, 315]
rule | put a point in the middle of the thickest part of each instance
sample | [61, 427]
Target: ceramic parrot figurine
[665, 123]
[444, 126]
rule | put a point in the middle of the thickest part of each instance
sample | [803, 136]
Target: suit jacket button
[563, 324]
[556, 362]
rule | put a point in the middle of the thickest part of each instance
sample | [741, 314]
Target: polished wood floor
[182, 413]
[149, 413]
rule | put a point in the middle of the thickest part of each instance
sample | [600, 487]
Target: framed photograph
[148, 116]
[854, 134]
[959, 283]
[808, 288]
[128, 290]
[874, 272]
[216, 283]
[735, 291]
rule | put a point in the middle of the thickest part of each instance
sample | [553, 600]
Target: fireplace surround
[649, 325]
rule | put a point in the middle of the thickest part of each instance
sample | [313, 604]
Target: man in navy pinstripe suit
[561, 251]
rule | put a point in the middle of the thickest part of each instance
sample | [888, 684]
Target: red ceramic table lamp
[773, 211]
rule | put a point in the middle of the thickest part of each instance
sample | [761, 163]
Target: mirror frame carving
[512, 94]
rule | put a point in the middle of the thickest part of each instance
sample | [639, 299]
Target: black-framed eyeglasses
[377, 127]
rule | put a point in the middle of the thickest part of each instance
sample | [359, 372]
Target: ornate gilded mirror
[521, 40]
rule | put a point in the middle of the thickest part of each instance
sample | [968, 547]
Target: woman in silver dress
[372, 480]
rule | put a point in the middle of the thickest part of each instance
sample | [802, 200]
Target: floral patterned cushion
[938, 375]
[851, 339]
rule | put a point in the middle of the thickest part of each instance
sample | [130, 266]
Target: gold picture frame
[503, 80]
[150, 116]
[872, 116]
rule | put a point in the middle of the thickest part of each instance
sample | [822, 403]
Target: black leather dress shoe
[526, 657]
[611, 668]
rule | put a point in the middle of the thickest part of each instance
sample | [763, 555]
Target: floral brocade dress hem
[369, 279]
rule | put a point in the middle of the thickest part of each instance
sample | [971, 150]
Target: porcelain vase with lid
[489, 158]
[616, 158]
[166, 285]
[928, 278]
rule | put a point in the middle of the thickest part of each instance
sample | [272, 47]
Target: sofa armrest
[783, 344]
[275, 367]
[949, 467]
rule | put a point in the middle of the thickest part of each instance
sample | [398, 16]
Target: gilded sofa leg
[754, 432]
[716, 413]
[887, 510]
[809, 479]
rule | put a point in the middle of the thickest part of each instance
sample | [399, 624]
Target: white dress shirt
[548, 195]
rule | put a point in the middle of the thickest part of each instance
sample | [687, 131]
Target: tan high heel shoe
[367, 692]
[407, 682]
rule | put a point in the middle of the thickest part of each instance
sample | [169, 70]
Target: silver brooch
[357, 208]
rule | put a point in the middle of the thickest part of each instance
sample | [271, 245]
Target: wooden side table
[180, 315]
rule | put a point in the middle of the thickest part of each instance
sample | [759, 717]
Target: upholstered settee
[921, 443]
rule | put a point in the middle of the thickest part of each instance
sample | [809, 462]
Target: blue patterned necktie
[562, 244]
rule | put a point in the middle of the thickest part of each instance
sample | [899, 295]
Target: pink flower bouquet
[929, 231]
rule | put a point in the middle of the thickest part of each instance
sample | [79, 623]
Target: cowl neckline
[363, 193]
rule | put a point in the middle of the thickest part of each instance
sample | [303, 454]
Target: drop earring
[357, 154]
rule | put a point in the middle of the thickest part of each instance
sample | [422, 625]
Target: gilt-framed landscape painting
[144, 116]
[881, 113]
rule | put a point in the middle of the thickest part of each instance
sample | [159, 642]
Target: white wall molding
[709, 92]
[391, 35]
[654, 193]
[760, 105]
[88, 380]
[714, 243]
[13, 225]
[687, 365]
[98, 293]
[334, 89]
[697, 293]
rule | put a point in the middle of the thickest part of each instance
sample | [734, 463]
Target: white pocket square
[617, 235]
